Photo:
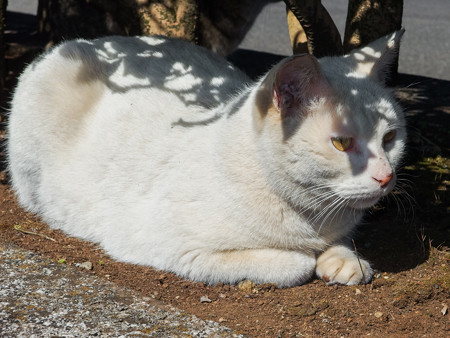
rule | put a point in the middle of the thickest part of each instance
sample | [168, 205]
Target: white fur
[157, 150]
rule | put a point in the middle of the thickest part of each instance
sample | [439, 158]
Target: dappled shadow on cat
[232, 109]
[123, 64]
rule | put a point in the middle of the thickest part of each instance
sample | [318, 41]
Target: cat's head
[331, 128]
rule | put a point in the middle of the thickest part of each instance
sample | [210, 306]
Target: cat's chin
[364, 203]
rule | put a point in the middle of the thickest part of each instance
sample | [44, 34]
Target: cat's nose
[384, 180]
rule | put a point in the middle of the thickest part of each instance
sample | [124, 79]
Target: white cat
[159, 151]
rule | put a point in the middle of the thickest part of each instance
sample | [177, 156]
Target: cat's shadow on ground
[401, 233]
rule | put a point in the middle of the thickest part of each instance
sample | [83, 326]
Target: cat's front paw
[339, 264]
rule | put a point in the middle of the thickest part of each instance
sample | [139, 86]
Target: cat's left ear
[297, 81]
[377, 58]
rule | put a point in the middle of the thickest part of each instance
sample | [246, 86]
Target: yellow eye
[389, 136]
[342, 143]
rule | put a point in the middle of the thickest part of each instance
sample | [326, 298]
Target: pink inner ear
[297, 81]
[276, 99]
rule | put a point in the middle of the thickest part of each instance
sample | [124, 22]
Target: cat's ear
[297, 81]
[377, 58]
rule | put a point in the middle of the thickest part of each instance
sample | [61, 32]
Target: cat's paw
[338, 264]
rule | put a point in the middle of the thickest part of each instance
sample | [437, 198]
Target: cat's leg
[282, 267]
[339, 264]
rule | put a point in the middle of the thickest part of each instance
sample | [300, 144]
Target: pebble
[85, 265]
[205, 299]
[246, 285]
[378, 314]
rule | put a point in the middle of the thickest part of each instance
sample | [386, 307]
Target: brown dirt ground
[406, 239]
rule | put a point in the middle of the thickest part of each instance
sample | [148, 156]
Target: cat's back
[73, 77]
[83, 88]
[110, 94]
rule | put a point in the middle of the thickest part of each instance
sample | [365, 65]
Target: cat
[168, 156]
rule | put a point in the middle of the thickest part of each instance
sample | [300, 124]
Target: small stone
[86, 265]
[378, 314]
[205, 299]
[358, 292]
[221, 320]
[246, 285]
[444, 309]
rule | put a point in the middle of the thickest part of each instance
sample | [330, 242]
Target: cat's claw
[340, 265]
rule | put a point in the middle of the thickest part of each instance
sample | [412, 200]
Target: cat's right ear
[298, 81]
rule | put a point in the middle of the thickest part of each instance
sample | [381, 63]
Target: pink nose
[384, 180]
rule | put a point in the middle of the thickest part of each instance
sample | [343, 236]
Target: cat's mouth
[369, 199]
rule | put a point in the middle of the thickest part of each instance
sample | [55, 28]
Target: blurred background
[425, 47]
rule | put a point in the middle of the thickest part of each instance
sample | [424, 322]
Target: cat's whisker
[319, 200]
[414, 84]
[399, 204]
[317, 203]
[331, 196]
[316, 188]
[327, 212]
[316, 199]
[403, 186]
[401, 194]
[340, 206]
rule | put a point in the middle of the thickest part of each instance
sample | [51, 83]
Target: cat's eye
[389, 136]
[342, 143]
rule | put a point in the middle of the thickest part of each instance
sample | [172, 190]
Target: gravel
[39, 297]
